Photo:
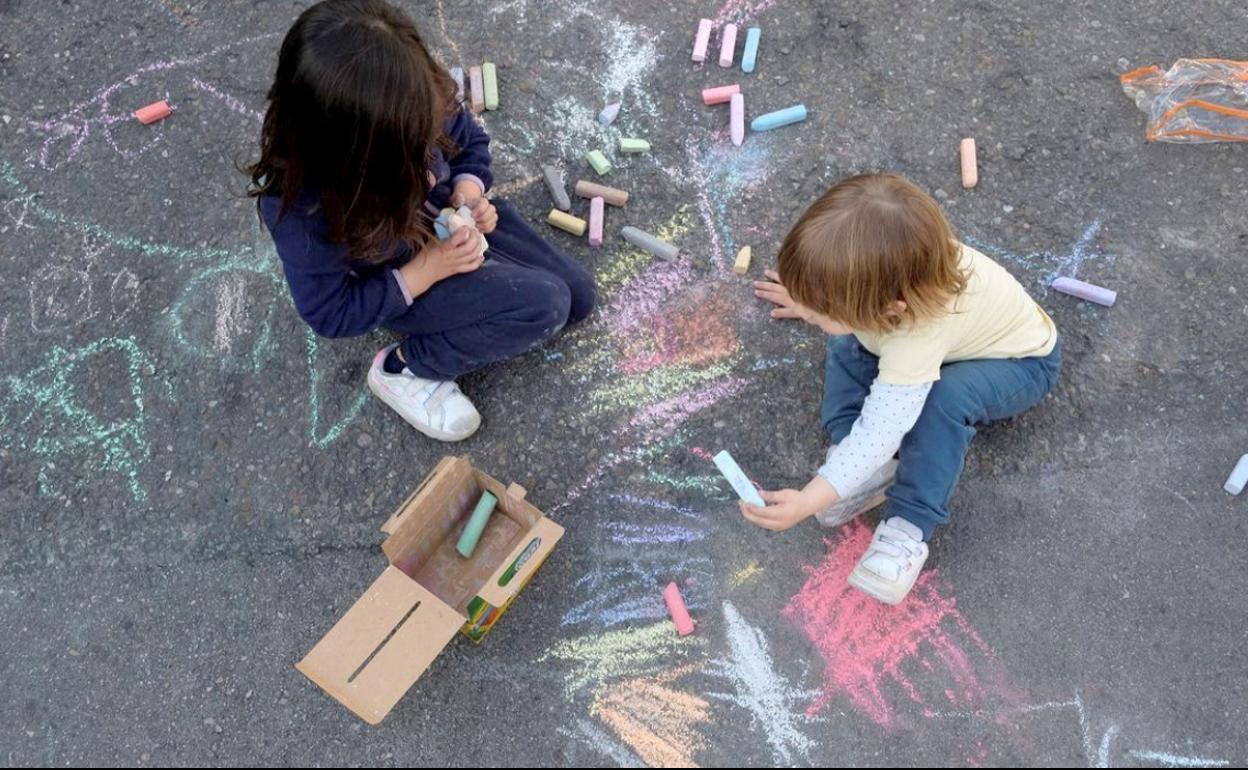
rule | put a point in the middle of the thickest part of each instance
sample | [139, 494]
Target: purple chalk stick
[1091, 293]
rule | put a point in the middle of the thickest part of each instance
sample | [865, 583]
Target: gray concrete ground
[192, 485]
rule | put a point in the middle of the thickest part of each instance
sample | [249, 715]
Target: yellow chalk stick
[567, 222]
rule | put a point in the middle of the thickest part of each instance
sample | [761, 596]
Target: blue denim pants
[968, 394]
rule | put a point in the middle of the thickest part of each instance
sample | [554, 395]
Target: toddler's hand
[774, 292]
[785, 509]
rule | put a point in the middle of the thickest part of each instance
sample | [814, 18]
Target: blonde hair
[868, 242]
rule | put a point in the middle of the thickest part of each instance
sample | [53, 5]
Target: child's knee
[583, 296]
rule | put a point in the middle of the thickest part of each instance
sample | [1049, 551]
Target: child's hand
[483, 211]
[439, 260]
[785, 509]
[774, 292]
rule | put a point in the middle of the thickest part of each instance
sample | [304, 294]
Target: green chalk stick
[489, 73]
[634, 146]
[599, 162]
[476, 524]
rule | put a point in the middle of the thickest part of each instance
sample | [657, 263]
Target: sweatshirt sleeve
[331, 297]
[473, 159]
[888, 414]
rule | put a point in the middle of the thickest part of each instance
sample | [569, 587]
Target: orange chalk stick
[970, 165]
[154, 113]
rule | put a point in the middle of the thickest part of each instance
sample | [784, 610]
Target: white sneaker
[891, 565]
[871, 495]
[436, 408]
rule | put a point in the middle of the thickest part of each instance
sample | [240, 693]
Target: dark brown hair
[868, 242]
[356, 108]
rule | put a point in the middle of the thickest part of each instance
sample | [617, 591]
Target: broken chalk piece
[677, 609]
[728, 45]
[477, 87]
[720, 94]
[1090, 292]
[737, 121]
[591, 190]
[750, 56]
[153, 113]
[647, 242]
[970, 165]
[554, 183]
[780, 118]
[743, 261]
[736, 477]
[609, 114]
[1239, 477]
[702, 40]
[476, 524]
[599, 161]
[567, 222]
[489, 77]
[634, 146]
[597, 212]
[457, 74]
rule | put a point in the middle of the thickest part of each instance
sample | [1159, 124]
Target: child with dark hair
[363, 144]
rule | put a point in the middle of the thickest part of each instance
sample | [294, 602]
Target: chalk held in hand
[609, 114]
[736, 477]
[567, 222]
[647, 242]
[634, 146]
[476, 525]
[457, 74]
[1239, 477]
[554, 183]
[749, 57]
[970, 165]
[737, 119]
[477, 87]
[591, 190]
[677, 609]
[780, 118]
[153, 113]
[1088, 291]
[597, 213]
[720, 94]
[743, 261]
[702, 41]
[489, 78]
[599, 162]
[728, 46]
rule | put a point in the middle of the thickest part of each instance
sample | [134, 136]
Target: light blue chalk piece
[736, 477]
[751, 49]
[786, 117]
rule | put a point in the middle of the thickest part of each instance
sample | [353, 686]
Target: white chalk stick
[738, 119]
[1088, 291]
[728, 46]
[609, 113]
[1239, 477]
[970, 164]
[736, 477]
[596, 216]
[702, 41]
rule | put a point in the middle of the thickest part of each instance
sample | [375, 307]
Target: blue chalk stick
[785, 117]
[751, 49]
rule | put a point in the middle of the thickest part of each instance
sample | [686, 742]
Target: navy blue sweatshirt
[343, 297]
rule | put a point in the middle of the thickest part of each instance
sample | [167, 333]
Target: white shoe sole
[884, 591]
[844, 512]
[380, 390]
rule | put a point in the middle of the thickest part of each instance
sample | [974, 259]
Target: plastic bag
[1195, 101]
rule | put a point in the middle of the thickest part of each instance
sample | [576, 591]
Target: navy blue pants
[968, 393]
[526, 291]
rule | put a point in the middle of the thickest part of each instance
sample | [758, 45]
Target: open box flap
[519, 566]
[374, 654]
[435, 493]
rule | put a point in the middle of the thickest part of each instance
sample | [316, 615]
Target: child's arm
[472, 163]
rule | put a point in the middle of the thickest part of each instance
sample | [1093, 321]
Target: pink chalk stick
[597, 207]
[702, 40]
[153, 113]
[738, 119]
[728, 46]
[676, 607]
[720, 94]
[1090, 292]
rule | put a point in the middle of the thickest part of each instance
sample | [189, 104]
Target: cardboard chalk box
[428, 592]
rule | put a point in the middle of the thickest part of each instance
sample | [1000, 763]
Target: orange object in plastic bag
[1195, 101]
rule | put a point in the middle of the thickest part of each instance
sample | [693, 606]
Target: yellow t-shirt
[993, 318]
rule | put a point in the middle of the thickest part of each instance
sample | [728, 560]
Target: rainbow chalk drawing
[598, 659]
[745, 574]
[762, 690]
[44, 412]
[1171, 760]
[657, 721]
[865, 644]
[600, 741]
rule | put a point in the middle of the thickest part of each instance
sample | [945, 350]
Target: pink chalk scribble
[870, 649]
[741, 11]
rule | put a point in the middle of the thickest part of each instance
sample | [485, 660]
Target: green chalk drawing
[41, 413]
[333, 432]
[221, 346]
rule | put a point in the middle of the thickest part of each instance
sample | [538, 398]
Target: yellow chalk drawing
[746, 574]
[598, 658]
[620, 271]
[656, 721]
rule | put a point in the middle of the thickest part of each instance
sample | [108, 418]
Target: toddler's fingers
[773, 275]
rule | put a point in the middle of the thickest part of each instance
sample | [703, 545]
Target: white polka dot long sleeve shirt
[888, 414]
